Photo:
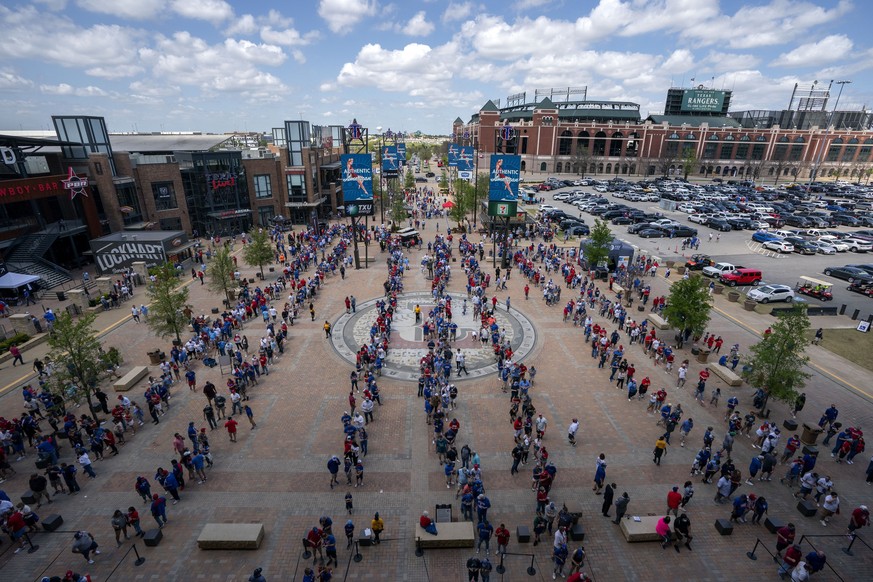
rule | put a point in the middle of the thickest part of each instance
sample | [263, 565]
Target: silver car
[772, 293]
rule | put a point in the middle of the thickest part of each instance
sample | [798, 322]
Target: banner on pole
[357, 179]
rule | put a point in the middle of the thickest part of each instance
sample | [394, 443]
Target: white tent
[16, 280]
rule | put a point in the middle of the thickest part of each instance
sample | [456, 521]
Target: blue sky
[219, 65]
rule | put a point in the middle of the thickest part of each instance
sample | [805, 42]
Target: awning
[331, 166]
[306, 204]
[186, 246]
[139, 226]
[225, 214]
[16, 280]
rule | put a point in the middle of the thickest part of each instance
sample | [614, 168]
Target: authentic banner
[503, 185]
[390, 167]
[358, 184]
[454, 150]
[466, 161]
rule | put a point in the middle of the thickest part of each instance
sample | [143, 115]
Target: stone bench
[640, 531]
[457, 534]
[729, 376]
[130, 379]
[231, 536]
[657, 321]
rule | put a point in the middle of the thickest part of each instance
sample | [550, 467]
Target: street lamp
[814, 174]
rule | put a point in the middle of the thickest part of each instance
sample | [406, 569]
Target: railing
[847, 550]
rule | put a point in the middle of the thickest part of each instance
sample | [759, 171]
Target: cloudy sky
[224, 65]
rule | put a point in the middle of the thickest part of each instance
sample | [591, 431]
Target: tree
[168, 299]
[581, 158]
[258, 251]
[689, 162]
[688, 305]
[597, 247]
[444, 180]
[397, 211]
[463, 201]
[409, 179]
[79, 359]
[220, 271]
[777, 361]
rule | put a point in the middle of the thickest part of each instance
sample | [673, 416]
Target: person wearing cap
[427, 524]
[84, 543]
[313, 541]
[257, 576]
[571, 432]
[792, 557]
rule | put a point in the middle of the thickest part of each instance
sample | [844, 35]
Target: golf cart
[814, 288]
[698, 262]
[861, 287]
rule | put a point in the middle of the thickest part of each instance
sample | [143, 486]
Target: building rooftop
[167, 143]
[694, 120]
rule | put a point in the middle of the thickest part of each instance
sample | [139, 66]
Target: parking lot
[734, 246]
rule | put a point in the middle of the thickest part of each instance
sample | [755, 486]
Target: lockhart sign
[112, 257]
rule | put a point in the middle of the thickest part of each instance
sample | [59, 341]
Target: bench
[130, 379]
[457, 534]
[640, 531]
[729, 376]
[231, 536]
[658, 321]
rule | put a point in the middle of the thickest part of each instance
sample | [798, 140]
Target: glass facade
[128, 203]
[263, 186]
[165, 195]
[216, 192]
[88, 131]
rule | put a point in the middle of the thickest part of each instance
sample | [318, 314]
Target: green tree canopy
[689, 161]
[167, 301]
[596, 248]
[409, 179]
[221, 270]
[463, 200]
[258, 251]
[79, 359]
[688, 305]
[777, 361]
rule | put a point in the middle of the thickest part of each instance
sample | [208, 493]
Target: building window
[263, 186]
[296, 188]
[165, 195]
[174, 223]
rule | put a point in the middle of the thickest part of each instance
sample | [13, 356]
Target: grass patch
[850, 344]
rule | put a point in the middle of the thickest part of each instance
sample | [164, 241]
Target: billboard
[466, 160]
[503, 185]
[702, 101]
[390, 167]
[454, 149]
[401, 152]
[358, 184]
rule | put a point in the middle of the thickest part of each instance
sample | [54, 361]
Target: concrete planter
[718, 289]
[733, 296]
[749, 305]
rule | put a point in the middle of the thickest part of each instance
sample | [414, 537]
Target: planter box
[749, 305]
[733, 296]
[718, 289]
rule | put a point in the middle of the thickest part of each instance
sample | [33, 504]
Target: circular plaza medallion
[408, 346]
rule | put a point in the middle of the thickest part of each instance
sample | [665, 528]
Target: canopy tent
[16, 280]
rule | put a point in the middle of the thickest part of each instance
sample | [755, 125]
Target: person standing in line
[84, 543]
[682, 530]
[860, 517]
[231, 425]
[608, 496]
[119, 525]
[250, 415]
[599, 474]
[784, 538]
[621, 507]
[350, 533]
[159, 509]
[133, 520]
[502, 535]
[674, 498]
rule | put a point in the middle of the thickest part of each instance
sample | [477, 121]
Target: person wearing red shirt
[17, 528]
[502, 535]
[860, 518]
[230, 425]
[790, 560]
[674, 498]
[427, 524]
[704, 374]
[313, 540]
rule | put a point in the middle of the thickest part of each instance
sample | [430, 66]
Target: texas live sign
[357, 180]
[702, 101]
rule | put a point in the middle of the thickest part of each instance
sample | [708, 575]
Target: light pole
[379, 167]
[824, 143]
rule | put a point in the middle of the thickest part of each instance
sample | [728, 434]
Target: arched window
[582, 142]
[543, 167]
[632, 147]
[608, 168]
[599, 144]
[718, 170]
[690, 136]
[523, 165]
[600, 167]
[592, 168]
[673, 135]
[729, 137]
[624, 168]
[834, 150]
[559, 167]
[615, 144]
[565, 142]
[761, 138]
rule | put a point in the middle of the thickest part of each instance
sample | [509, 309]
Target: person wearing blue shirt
[486, 530]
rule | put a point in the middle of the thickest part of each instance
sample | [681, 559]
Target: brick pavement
[276, 473]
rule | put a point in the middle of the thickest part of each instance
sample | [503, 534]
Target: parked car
[578, 230]
[719, 224]
[651, 233]
[801, 245]
[849, 273]
[857, 245]
[679, 231]
[697, 262]
[762, 237]
[741, 277]
[772, 293]
[823, 248]
[698, 218]
[779, 246]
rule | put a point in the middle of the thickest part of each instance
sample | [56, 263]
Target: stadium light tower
[824, 142]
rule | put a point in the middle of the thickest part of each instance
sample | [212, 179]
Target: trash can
[154, 357]
[61, 296]
[810, 433]
[703, 356]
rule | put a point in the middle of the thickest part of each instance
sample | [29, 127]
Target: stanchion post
[751, 555]
[357, 557]
[418, 551]
[306, 553]
[501, 569]
[139, 559]
[848, 550]
[531, 571]
[32, 547]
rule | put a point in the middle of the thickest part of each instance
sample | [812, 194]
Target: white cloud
[65, 89]
[457, 11]
[418, 25]
[287, 37]
[103, 46]
[11, 81]
[115, 71]
[214, 11]
[679, 61]
[528, 4]
[827, 50]
[244, 24]
[719, 61]
[184, 59]
[342, 15]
